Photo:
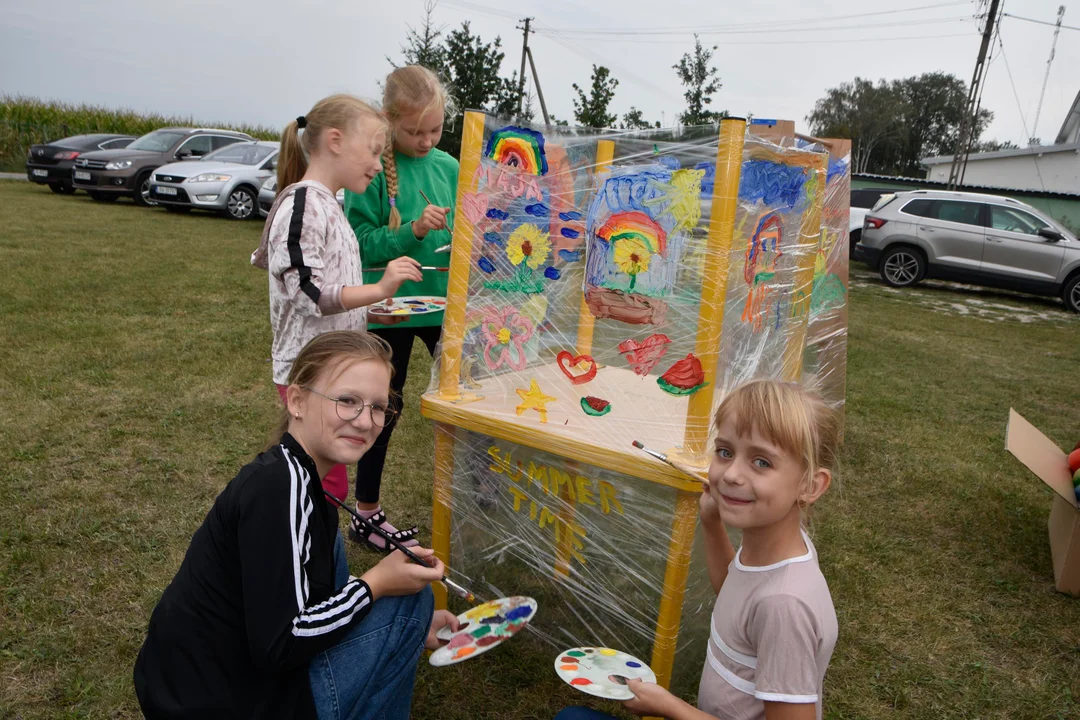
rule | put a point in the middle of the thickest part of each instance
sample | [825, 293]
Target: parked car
[268, 192]
[50, 164]
[978, 239]
[862, 199]
[109, 174]
[225, 181]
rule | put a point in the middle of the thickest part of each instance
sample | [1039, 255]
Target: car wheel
[142, 190]
[242, 204]
[902, 267]
[853, 240]
[103, 197]
[57, 188]
[1071, 294]
[178, 209]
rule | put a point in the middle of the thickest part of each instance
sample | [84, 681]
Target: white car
[862, 200]
[226, 181]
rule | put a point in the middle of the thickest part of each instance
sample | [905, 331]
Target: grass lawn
[135, 383]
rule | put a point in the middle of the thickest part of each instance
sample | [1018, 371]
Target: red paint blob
[489, 640]
[581, 681]
[568, 660]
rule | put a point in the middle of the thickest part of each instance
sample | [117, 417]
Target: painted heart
[474, 205]
[567, 362]
[643, 356]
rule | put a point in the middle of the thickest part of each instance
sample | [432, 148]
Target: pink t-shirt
[773, 633]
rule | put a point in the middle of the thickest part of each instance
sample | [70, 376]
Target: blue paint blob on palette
[411, 305]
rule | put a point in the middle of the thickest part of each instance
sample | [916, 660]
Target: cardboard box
[1046, 460]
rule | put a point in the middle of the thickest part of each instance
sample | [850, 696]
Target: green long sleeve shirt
[369, 214]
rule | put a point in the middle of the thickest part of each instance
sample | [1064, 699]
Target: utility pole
[1042, 93]
[539, 92]
[971, 108]
[521, 73]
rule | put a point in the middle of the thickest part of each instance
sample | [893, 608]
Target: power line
[1040, 22]
[789, 42]
[807, 27]
[1019, 106]
[772, 23]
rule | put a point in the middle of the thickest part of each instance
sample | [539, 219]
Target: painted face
[361, 148]
[755, 483]
[328, 438]
[418, 132]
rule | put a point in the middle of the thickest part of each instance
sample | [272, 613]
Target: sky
[266, 62]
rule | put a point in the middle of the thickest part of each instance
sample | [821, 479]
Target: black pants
[370, 468]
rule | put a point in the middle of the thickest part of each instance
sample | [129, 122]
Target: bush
[25, 121]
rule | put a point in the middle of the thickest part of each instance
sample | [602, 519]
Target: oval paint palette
[482, 628]
[409, 305]
[602, 672]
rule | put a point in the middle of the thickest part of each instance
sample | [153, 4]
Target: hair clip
[393, 202]
[301, 122]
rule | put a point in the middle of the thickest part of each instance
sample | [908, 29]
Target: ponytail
[390, 169]
[292, 164]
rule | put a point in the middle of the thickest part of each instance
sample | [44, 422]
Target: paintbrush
[422, 267]
[450, 584]
[448, 227]
[444, 248]
[681, 467]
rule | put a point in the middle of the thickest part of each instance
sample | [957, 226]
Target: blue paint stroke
[570, 255]
[537, 210]
[837, 168]
[569, 233]
[494, 238]
[709, 178]
[771, 183]
[517, 613]
[572, 215]
[497, 214]
[486, 265]
[552, 273]
[668, 161]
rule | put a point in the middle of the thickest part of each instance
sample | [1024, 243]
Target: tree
[592, 111]
[993, 146]
[425, 47]
[506, 101]
[634, 121]
[473, 68]
[894, 125]
[701, 81]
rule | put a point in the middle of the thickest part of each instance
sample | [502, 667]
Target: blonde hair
[795, 419]
[327, 351]
[341, 112]
[408, 89]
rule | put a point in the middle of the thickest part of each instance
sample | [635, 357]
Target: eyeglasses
[349, 408]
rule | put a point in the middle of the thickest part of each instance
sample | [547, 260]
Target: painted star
[534, 399]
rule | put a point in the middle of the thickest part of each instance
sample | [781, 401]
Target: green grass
[25, 121]
[135, 383]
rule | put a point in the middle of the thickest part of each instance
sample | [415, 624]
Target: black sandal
[364, 537]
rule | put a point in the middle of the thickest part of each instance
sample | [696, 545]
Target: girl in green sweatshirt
[392, 219]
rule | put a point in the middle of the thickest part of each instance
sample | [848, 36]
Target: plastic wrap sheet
[586, 310]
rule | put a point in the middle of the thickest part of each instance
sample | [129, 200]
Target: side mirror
[1051, 234]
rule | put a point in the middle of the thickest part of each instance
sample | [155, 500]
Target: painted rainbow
[634, 224]
[518, 147]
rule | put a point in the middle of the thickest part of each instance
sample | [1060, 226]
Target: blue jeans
[580, 713]
[371, 672]
[341, 564]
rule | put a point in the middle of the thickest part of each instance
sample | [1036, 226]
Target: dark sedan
[51, 164]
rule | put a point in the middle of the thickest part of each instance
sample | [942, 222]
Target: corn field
[25, 121]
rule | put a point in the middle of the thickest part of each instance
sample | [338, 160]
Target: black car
[51, 164]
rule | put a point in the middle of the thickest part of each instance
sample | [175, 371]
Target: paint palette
[482, 628]
[409, 305]
[602, 672]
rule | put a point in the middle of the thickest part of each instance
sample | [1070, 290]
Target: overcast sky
[266, 62]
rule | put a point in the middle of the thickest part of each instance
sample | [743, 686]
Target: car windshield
[242, 153]
[157, 141]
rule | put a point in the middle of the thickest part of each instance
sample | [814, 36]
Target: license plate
[161, 190]
[80, 175]
[41, 173]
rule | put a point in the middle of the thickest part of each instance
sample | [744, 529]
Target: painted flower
[528, 244]
[632, 256]
[505, 332]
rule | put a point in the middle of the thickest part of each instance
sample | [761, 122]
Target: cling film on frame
[607, 288]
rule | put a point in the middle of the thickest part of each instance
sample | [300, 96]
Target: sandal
[370, 539]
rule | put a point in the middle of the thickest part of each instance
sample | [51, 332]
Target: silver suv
[968, 237]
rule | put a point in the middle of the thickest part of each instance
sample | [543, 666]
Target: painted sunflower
[528, 244]
[632, 256]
